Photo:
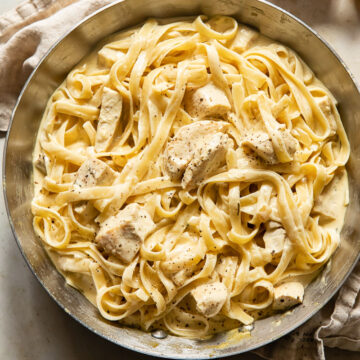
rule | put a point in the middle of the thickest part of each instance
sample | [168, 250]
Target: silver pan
[65, 54]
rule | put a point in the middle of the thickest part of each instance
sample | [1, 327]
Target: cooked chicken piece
[107, 57]
[248, 159]
[331, 198]
[122, 234]
[206, 101]
[197, 150]
[210, 298]
[207, 159]
[110, 112]
[244, 38]
[274, 237]
[94, 172]
[287, 295]
[262, 145]
[291, 143]
[76, 265]
[42, 163]
[272, 225]
[325, 106]
[181, 149]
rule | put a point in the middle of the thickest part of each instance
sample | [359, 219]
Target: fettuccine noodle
[212, 238]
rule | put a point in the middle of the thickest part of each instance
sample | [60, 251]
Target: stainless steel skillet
[66, 53]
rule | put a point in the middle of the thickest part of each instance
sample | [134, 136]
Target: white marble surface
[32, 326]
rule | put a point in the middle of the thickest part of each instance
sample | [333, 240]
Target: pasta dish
[190, 176]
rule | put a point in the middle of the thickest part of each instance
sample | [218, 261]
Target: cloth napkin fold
[26, 34]
[336, 325]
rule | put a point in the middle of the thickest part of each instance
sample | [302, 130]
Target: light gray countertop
[32, 326]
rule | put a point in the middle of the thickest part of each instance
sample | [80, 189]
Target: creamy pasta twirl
[190, 175]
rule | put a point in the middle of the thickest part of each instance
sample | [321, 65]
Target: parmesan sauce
[337, 197]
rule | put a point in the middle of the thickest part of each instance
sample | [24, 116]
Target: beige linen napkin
[26, 34]
[337, 325]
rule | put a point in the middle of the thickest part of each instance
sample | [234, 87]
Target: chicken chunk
[94, 172]
[76, 265]
[290, 142]
[287, 295]
[206, 101]
[122, 234]
[42, 163]
[325, 106]
[261, 143]
[274, 238]
[207, 159]
[107, 57]
[210, 298]
[109, 118]
[180, 150]
[332, 197]
[244, 39]
[197, 149]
